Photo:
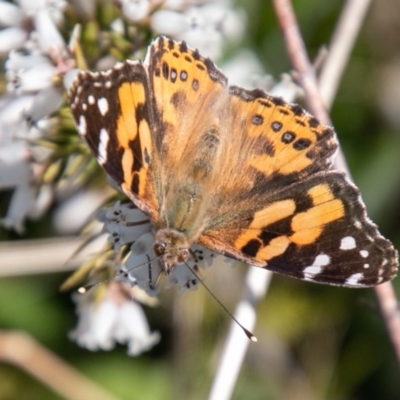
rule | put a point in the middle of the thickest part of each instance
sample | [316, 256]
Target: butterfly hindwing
[314, 230]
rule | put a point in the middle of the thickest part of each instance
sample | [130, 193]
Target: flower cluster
[35, 55]
[128, 225]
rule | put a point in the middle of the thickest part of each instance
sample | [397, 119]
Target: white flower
[10, 14]
[55, 8]
[135, 10]
[206, 28]
[33, 74]
[125, 223]
[11, 38]
[141, 265]
[16, 161]
[244, 60]
[48, 37]
[23, 117]
[286, 89]
[29, 73]
[45, 15]
[168, 22]
[115, 317]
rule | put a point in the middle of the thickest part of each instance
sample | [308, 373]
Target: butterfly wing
[240, 172]
[315, 230]
[281, 209]
[185, 87]
[112, 112]
[260, 166]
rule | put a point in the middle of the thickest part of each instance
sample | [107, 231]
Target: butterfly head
[172, 248]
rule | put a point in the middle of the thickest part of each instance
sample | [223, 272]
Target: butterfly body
[238, 171]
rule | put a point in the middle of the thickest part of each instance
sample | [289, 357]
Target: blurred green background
[315, 342]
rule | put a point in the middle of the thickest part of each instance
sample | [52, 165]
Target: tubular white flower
[46, 102]
[10, 14]
[35, 78]
[11, 38]
[206, 27]
[113, 318]
[244, 60]
[132, 328]
[168, 22]
[55, 8]
[286, 88]
[184, 278]
[34, 74]
[135, 10]
[49, 38]
[138, 266]
[16, 158]
[15, 174]
[125, 224]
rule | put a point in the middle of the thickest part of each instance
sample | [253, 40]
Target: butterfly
[238, 171]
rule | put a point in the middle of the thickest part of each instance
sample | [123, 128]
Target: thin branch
[389, 306]
[236, 343]
[298, 56]
[29, 257]
[340, 48]
[297, 52]
[21, 350]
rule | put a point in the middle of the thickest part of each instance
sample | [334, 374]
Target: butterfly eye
[159, 248]
[183, 256]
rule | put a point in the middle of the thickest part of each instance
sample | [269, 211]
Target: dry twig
[21, 350]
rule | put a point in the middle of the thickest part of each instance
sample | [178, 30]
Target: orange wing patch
[132, 97]
[294, 142]
[185, 86]
[305, 227]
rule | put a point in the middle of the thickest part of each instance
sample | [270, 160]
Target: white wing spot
[82, 125]
[357, 224]
[103, 105]
[104, 138]
[84, 106]
[108, 84]
[364, 253]
[354, 280]
[366, 266]
[321, 261]
[91, 100]
[347, 243]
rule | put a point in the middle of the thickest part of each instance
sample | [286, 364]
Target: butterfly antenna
[84, 289]
[246, 331]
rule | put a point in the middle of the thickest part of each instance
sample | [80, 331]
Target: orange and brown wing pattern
[112, 113]
[185, 87]
[282, 141]
[238, 171]
[315, 230]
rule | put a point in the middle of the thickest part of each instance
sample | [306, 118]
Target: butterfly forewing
[112, 113]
